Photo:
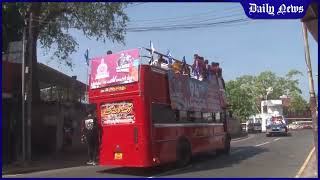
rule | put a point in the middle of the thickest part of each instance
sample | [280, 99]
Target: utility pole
[86, 56]
[313, 100]
[29, 95]
[23, 96]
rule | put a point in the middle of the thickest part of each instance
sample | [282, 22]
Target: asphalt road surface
[255, 156]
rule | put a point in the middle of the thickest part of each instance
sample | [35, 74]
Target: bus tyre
[183, 153]
[227, 148]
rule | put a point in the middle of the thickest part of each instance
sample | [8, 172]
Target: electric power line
[196, 24]
[184, 17]
[134, 5]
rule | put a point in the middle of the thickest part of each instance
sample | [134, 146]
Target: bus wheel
[227, 148]
[183, 153]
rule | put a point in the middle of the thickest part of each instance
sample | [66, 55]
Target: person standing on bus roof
[196, 66]
[90, 134]
[206, 74]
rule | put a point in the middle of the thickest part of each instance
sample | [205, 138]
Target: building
[62, 98]
[271, 107]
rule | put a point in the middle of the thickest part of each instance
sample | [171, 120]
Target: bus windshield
[115, 69]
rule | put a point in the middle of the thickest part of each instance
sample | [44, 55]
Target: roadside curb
[37, 167]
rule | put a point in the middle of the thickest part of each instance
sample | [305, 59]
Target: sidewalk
[63, 160]
[71, 158]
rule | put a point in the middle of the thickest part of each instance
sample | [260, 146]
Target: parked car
[257, 127]
[306, 124]
[244, 127]
[254, 128]
[293, 126]
[300, 125]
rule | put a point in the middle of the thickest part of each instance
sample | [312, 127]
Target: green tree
[246, 92]
[297, 103]
[12, 24]
[240, 101]
[51, 23]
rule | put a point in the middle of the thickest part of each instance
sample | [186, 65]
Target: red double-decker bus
[151, 115]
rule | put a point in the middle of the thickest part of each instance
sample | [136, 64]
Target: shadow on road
[208, 161]
[142, 172]
[66, 159]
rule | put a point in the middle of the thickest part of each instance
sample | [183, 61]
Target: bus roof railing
[161, 54]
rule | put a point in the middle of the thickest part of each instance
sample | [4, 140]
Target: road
[255, 156]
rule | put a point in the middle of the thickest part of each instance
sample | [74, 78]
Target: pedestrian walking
[90, 135]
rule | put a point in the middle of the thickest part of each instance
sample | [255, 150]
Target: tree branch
[52, 15]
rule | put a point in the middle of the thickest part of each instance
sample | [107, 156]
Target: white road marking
[262, 144]
[11, 175]
[305, 163]
[170, 171]
[249, 137]
[276, 139]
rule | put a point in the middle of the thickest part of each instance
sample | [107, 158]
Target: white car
[293, 126]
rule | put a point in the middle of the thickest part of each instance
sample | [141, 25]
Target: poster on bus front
[117, 113]
[187, 94]
[115, 69]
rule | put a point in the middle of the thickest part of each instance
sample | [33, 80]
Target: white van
[254, 124]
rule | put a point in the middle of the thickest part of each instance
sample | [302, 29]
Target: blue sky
[244, 48]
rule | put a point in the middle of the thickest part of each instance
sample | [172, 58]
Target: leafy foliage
[297, 103]
[239, 99]
[12, 24]
[246, 92]
[52, 21]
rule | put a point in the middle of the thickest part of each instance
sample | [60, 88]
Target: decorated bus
[151, 115]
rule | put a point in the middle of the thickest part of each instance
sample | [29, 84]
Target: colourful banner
[115, 69]
[117, 113]
[189, 94]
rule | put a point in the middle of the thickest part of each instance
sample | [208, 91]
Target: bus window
[183, 116]
[223, 116]
[195, 116]
[207, 117]
[218, 119]
[213, 117]
[162, 113]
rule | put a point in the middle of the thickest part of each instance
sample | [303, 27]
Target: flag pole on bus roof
[151, 51]
[169, 57]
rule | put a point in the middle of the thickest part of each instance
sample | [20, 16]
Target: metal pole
[23, 96]
[267, 102]
[87, 93]
[313, 100]
[29, 97]
[88, 65]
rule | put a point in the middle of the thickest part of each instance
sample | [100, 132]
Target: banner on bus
[115, 69]
[117, 113]
[189, 94]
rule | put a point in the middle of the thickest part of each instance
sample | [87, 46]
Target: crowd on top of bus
[201, 69]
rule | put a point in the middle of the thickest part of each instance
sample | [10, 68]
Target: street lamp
[269, 90]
